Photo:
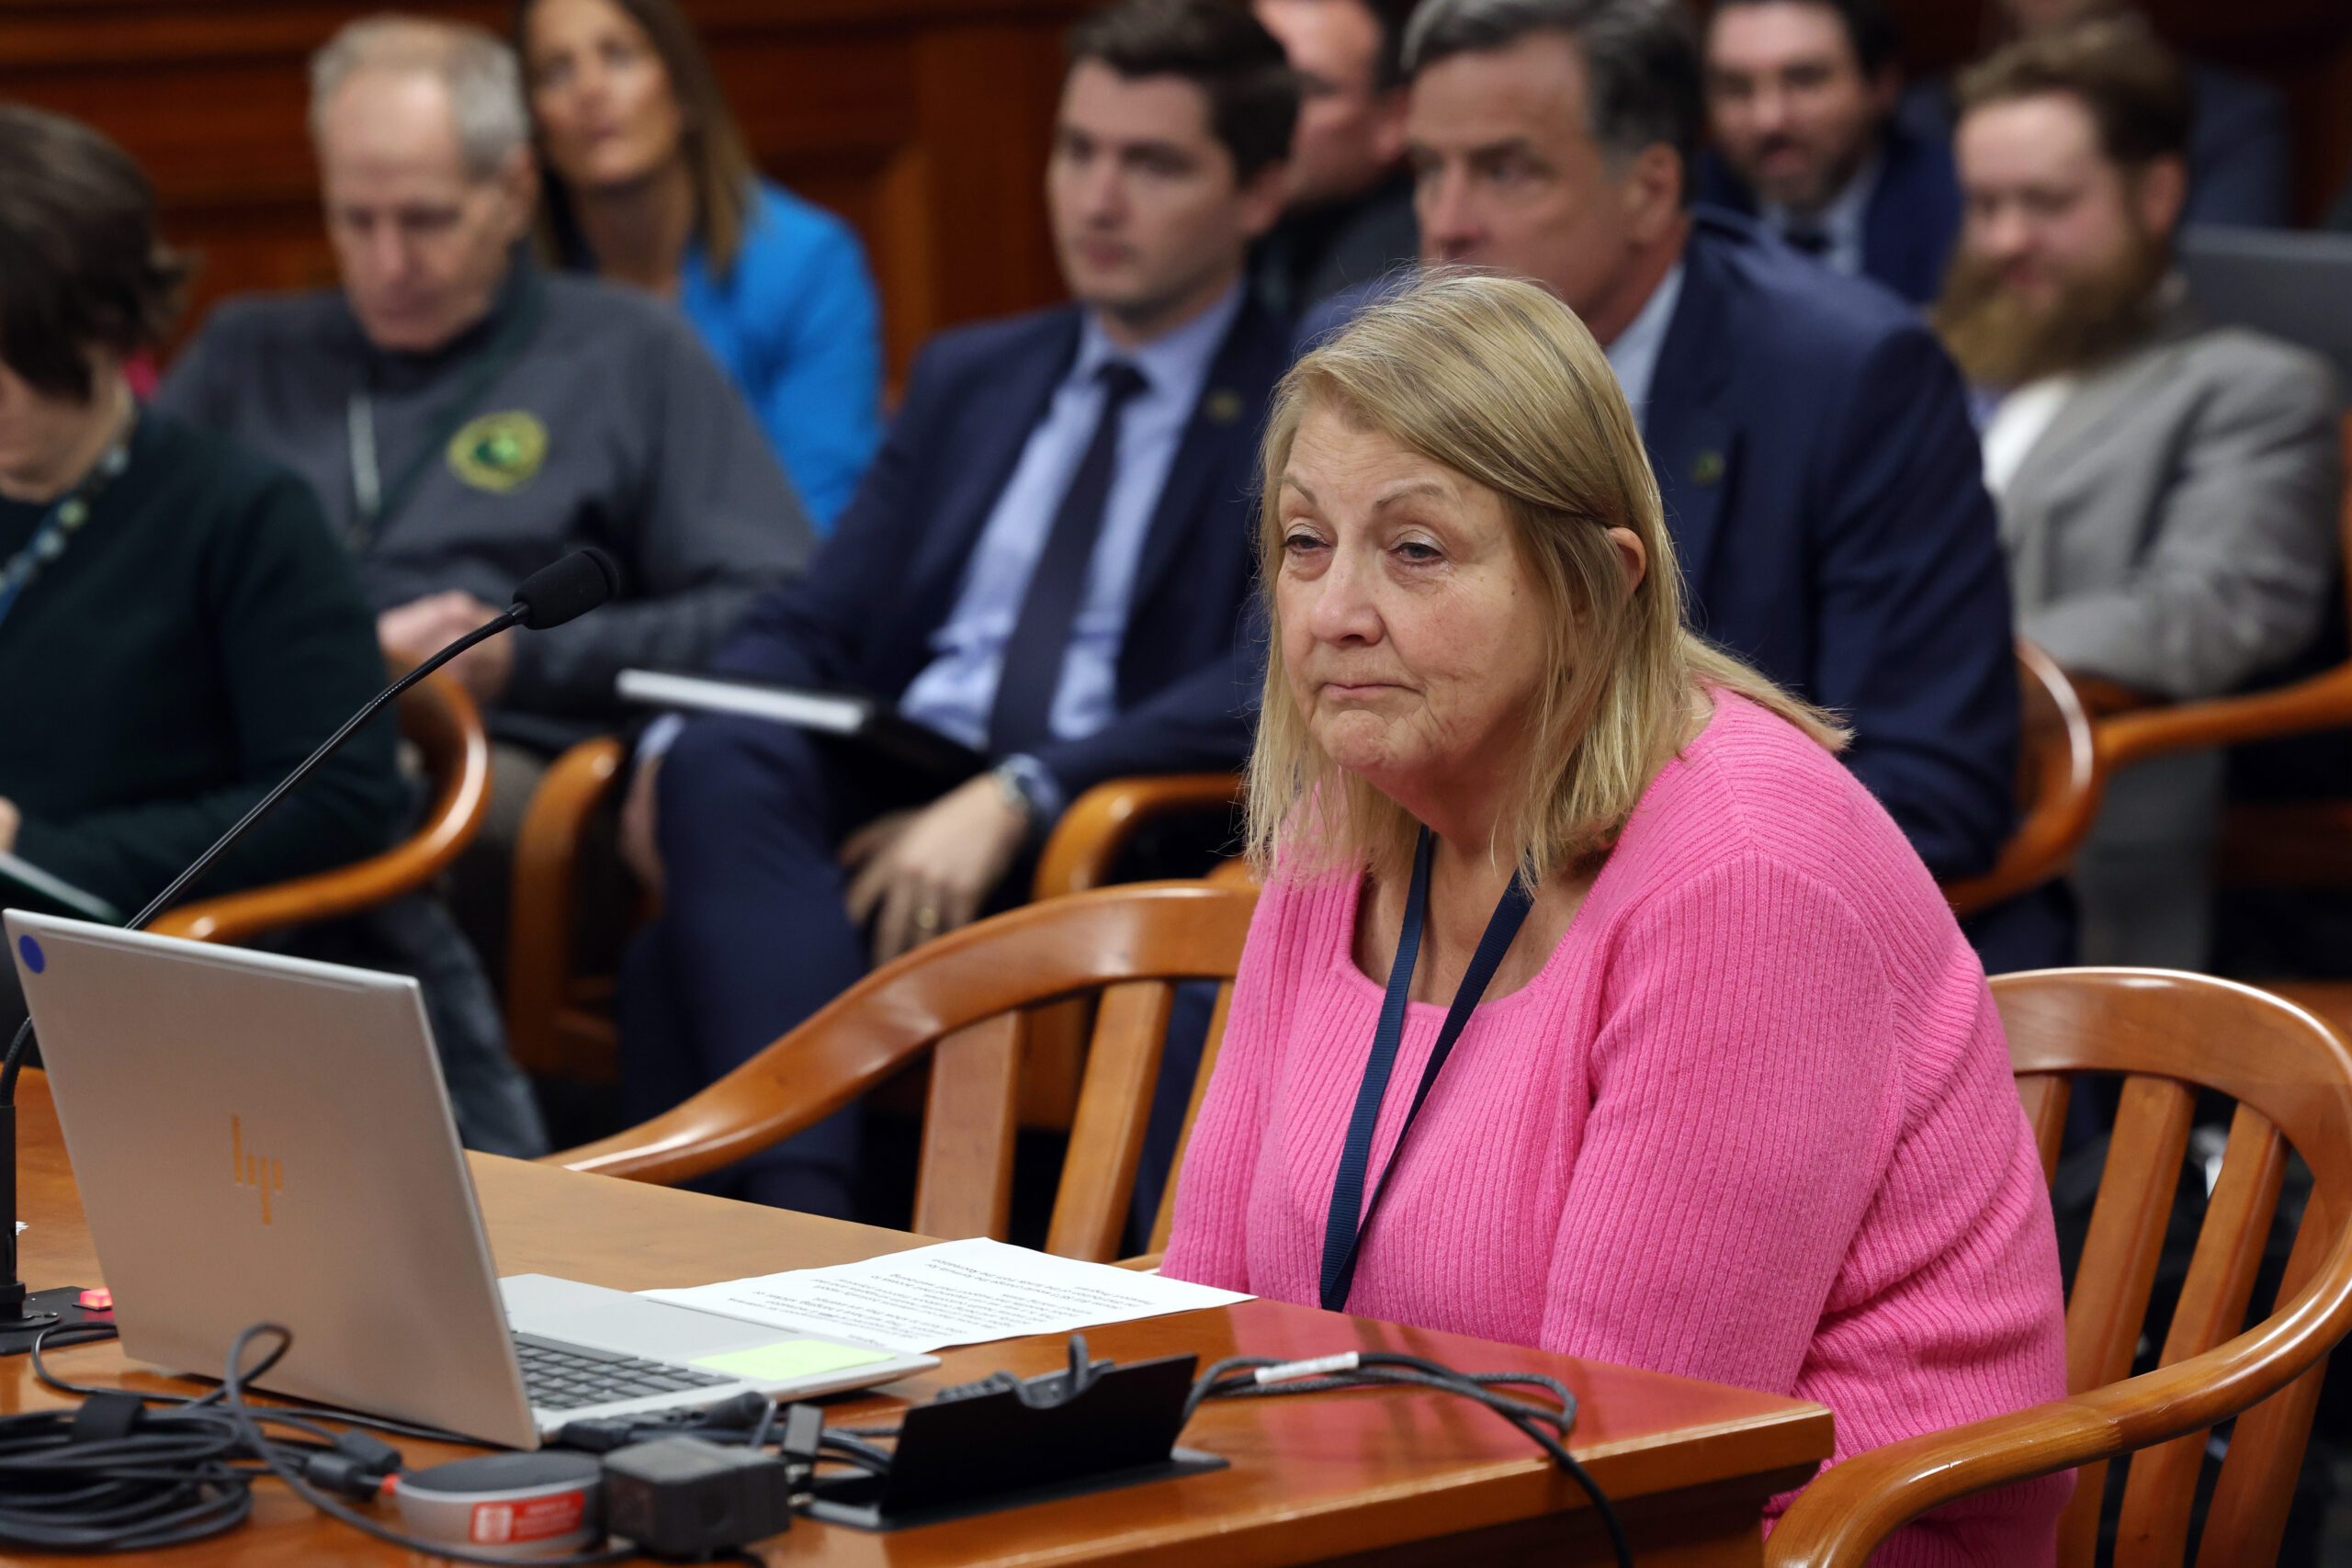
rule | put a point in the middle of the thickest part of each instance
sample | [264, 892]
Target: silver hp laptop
[262, 1138]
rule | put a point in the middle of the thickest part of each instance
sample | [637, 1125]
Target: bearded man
[2167, 490]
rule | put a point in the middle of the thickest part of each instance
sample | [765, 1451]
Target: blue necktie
[1032, 671]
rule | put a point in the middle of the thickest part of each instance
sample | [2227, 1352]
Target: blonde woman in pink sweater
[1725, 1094]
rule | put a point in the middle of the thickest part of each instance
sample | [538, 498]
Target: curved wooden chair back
[963, 1001]
[558, 1023]
[2059, 784]
[442, 722]
[559, 1020]
[2169, 1034]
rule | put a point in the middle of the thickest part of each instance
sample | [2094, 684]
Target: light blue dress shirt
[1841, 221]
[956, 692]
[1635, 354]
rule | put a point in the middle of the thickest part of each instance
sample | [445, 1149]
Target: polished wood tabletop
[1388, 1479]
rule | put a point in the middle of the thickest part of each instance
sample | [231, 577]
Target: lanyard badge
[1350, 1214]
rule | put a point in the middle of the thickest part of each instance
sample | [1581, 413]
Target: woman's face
[45, 439]
[606, 111]
[1414, 639]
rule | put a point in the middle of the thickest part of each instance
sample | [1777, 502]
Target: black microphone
[563, 591]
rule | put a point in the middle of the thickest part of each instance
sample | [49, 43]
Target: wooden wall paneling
[985, 101]
[923, 123]
[2303, 48]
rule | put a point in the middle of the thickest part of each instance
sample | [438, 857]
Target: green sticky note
[789, 1359]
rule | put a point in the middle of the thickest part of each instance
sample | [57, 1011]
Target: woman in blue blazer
[647, 182]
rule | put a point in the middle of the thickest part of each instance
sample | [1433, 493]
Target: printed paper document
[957, 1293]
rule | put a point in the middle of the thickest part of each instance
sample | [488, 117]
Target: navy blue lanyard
[1351, 1217]
[59, 524]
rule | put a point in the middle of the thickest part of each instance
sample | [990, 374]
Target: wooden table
[1368, 1479]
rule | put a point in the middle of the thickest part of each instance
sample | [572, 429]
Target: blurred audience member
[647, 182]
[1810, 437]
[1049, 563]
[177, 627]
[1802, 95]
[2167, 490]
[1349, 213]
[467, 417]
[2241, 159]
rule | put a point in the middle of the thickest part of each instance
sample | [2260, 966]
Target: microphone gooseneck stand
[548, 597]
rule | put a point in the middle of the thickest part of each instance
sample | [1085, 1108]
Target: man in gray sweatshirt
[467, 417]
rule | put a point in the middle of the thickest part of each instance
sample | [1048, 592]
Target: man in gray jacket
[466, 418]
[2168, 490]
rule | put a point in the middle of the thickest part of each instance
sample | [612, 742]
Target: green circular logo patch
[499, 452]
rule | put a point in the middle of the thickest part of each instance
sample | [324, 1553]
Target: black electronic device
[684, 1497]
[551, 596]
[1006, 1442]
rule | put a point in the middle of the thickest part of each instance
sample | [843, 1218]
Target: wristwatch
[1028, 789]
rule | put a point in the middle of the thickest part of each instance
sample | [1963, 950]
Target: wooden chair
[2059, 783]
[441, 720]
[2301, 843]
[558, 1023]
[963, 1001]
[2170, 1035]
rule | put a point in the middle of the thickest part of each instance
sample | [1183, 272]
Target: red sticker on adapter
[534, 1519]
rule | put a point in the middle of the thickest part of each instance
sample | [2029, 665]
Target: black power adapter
[685, 1497]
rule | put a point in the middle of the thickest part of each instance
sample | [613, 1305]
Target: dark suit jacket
[1825, 490]
[1912, 221]
[889, 576]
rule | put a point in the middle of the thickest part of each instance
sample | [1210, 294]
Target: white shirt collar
[1635, 354]
[1177, 361]
[1841, 221]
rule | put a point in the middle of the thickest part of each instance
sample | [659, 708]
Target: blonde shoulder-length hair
[1500, 382]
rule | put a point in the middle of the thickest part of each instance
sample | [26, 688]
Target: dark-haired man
[2168, 490]
[1811, 439]
[1348, 215]
[1050, 561]
[1802, 93]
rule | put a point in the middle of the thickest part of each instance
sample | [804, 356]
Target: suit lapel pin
[1222, 406]
[1707, 468]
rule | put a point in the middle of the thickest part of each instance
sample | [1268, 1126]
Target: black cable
[1237, 1378]
[249, 1422]
[98, 1333]
[151, 1479]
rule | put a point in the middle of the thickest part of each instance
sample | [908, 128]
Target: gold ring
[927, 919]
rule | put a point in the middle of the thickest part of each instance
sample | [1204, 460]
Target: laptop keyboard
[570, 1377]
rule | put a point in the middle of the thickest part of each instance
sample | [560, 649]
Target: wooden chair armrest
[2043, 847]
[1099, 823]
[457, 816]
[2322, 702]
[539, 940]
[1142, 1263]
[2062, 748]
[1849, 1509]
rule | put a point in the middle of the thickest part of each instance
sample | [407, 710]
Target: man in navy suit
[1811, 439]
[1050, 561]
[1802, 93]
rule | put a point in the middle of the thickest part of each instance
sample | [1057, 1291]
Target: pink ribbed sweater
[1753, 1123]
